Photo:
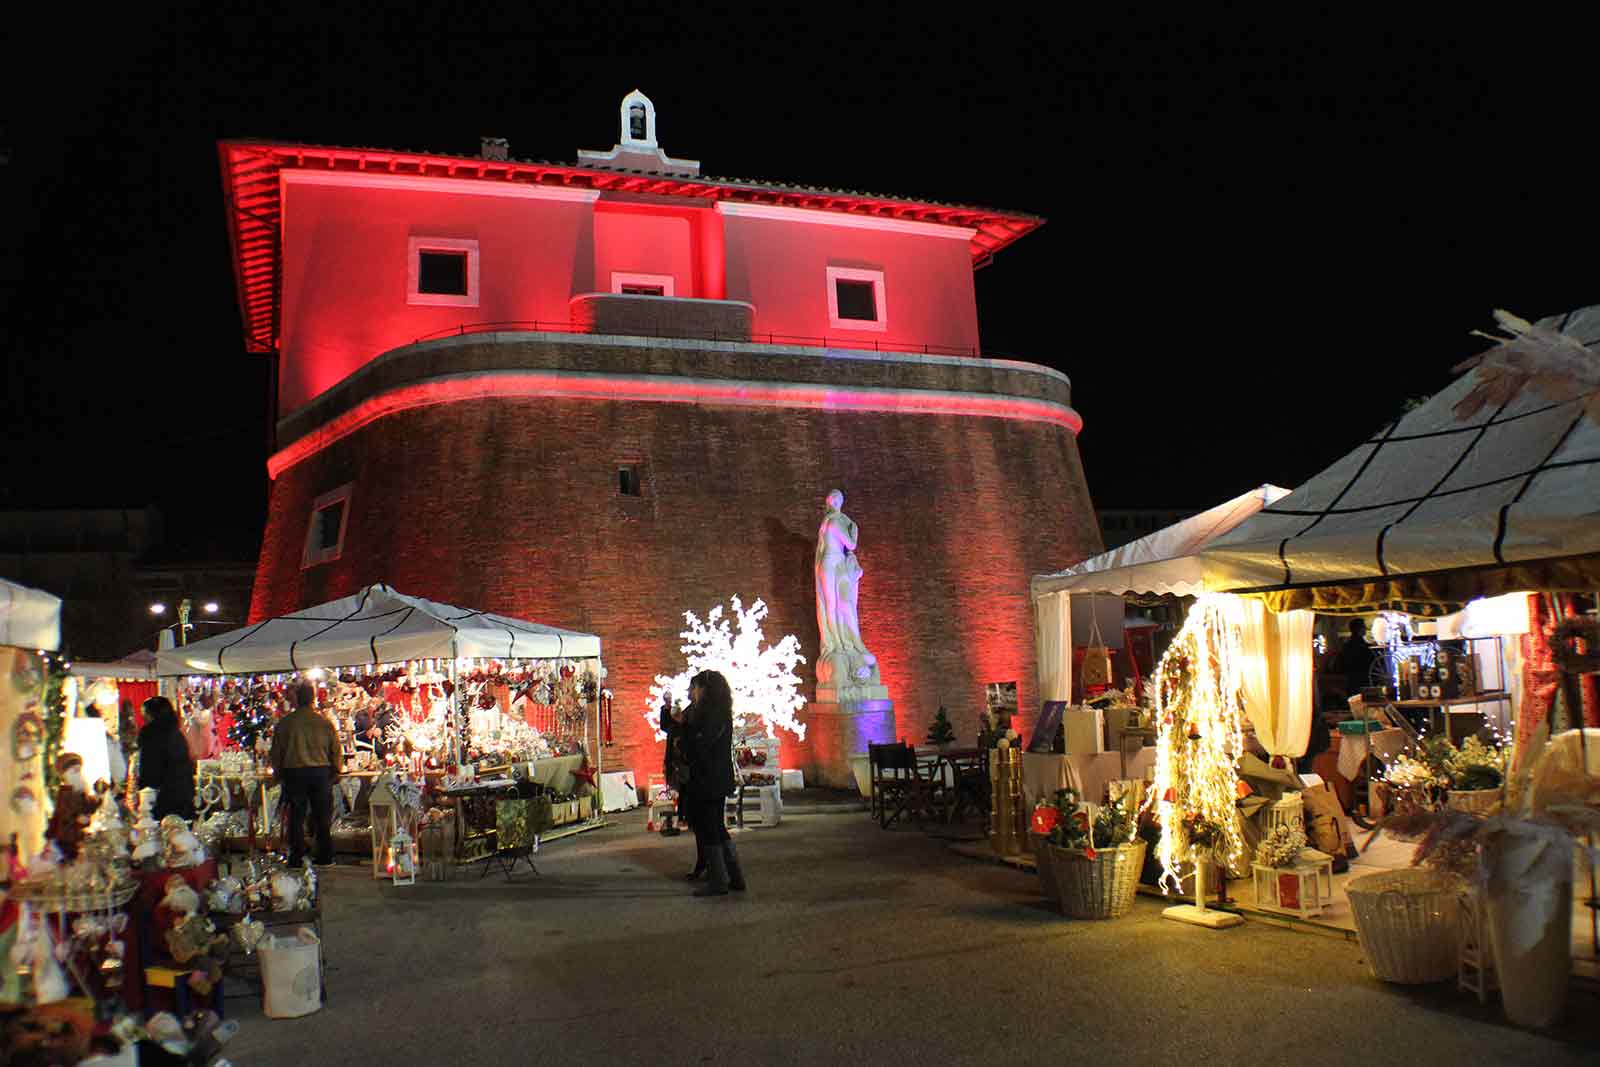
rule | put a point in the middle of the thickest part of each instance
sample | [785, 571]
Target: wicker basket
[1039, 845]
[1099, 888]
[1476, 801]
[1409, 922]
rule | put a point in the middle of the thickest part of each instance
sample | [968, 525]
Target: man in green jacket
[306, 757]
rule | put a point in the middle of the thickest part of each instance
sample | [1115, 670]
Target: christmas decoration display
[1199, 713]
[1281, 847]
[940, 732]
[762, 677]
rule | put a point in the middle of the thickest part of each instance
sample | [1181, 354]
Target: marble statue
[845, 668]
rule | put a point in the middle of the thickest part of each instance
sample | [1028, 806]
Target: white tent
[29, 618]
[1500, 498]
[376, 625]
[1165, 562]
[135, 666]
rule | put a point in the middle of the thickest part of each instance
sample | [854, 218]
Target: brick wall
[511, 505]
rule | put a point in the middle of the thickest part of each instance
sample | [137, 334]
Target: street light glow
[211, 607]
[158, 608]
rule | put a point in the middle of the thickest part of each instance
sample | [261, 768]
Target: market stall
[1487, 489]
[1165, 564]
[442, 698]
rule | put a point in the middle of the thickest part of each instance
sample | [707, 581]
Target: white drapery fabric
[1277, 674]
[1053, 624]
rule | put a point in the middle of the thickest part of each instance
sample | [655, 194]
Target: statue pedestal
[839, 729]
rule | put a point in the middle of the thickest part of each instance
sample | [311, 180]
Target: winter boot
[730, 860]
[716, 875]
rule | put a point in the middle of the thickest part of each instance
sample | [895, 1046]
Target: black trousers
[707, 820]
[311, 787]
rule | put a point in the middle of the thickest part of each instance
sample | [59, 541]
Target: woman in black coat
[706, 746]
[672, 724]
[164, 761]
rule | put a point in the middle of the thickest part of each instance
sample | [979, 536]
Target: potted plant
[1477, 771]
[940, 733]
[1095, 857]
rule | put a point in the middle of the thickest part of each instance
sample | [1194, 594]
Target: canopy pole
[455, 709]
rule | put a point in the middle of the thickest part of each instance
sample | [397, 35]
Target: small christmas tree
[940, 732]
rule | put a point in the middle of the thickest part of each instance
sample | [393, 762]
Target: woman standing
[164, 761]
[707, 744]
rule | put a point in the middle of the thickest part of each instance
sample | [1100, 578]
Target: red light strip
[717, 393]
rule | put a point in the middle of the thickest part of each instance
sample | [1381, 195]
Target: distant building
[1118, 526]
[600, 394]
[109, 565]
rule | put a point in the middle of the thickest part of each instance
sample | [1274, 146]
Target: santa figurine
[74, 806]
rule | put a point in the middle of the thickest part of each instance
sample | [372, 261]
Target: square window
[855, 300]
[633, 283]
[325, 527]
[442, 272]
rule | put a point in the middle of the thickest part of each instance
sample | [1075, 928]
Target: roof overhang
[251, 185]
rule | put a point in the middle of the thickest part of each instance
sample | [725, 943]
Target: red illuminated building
[600, 394]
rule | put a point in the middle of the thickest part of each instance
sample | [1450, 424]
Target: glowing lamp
[158, 608]
[211, 607]
[401, 859]
[86, 737]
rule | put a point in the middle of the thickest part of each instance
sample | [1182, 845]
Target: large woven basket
[1039, 845]
[1099, 888]
[1476, 801]
[1409, 923]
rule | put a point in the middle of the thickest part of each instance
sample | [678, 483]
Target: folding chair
[899, 784]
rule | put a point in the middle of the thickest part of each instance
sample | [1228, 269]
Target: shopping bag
[1096, 668]
[291, 974]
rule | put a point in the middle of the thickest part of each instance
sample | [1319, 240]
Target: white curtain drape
[1052, 616]
[1276, 672]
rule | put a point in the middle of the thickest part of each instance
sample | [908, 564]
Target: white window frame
[880, 304]
[414, 249]
[620, 278]
[312, 557]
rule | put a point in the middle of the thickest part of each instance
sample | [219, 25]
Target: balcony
[633, 315]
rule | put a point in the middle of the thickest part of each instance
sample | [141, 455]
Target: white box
[793, 779]
[1084, 730]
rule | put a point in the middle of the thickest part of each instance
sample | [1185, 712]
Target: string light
[1200, 718]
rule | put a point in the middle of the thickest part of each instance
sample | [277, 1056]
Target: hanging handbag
[1096, 657]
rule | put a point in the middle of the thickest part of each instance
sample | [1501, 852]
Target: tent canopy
[138, 665]
[376, 625]
[29, 618]
[1503, 496]
[1165, 562]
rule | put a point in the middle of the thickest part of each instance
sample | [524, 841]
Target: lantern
[385, 821]
[402, 858]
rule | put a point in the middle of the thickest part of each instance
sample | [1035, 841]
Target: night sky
[1260, 242]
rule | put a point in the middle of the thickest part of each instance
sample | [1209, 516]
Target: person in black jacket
[672, 725]
[164, 761]
[707, 770]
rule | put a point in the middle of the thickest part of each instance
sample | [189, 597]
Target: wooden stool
[1475, 973]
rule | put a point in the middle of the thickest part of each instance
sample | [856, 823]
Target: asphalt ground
[854, 945]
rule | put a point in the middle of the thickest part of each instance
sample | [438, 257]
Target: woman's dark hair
[159, 710]
[714, 692]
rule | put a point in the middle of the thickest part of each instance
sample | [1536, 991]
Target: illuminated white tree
[762, 677]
